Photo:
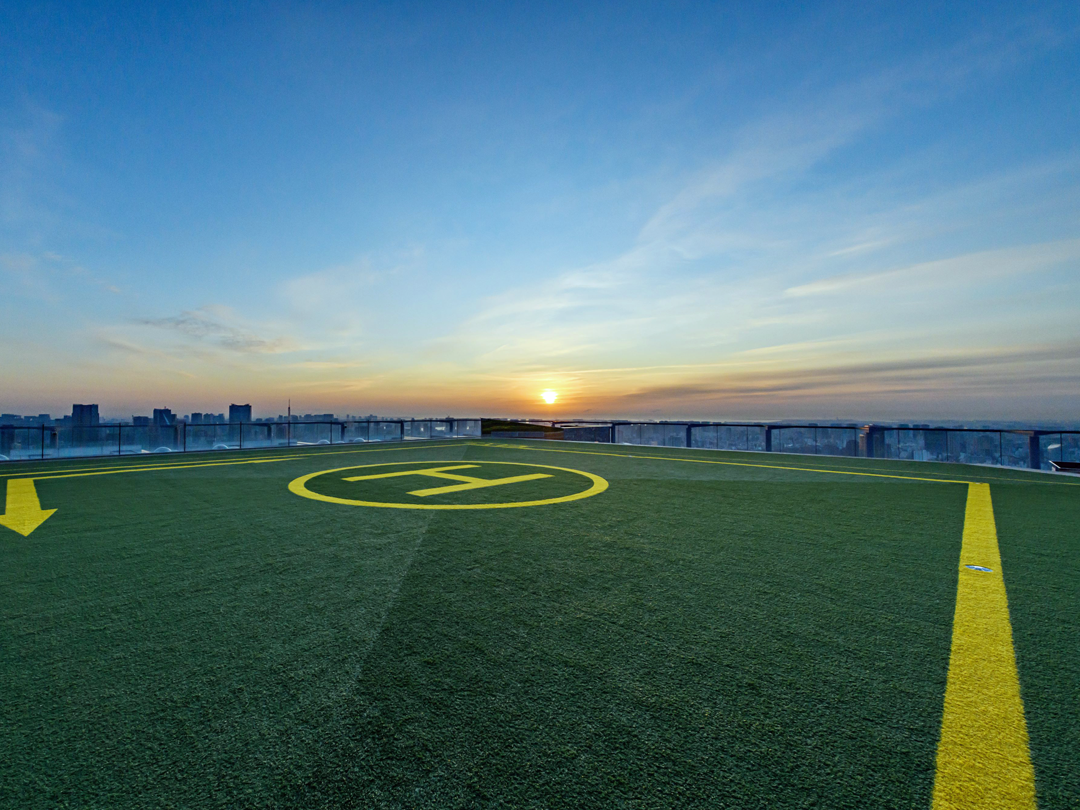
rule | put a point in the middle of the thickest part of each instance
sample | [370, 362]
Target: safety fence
[1032, 449]
[79, 441]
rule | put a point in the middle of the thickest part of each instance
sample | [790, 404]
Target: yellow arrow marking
[23, 512]
[983, 759]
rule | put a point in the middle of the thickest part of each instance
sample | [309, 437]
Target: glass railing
[1031, 449]
[82, 441]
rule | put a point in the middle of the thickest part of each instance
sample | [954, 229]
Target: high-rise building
[239, 413]
[196, 418]
[140, 421]
[84, 421]
[85, 415]
[164, 417]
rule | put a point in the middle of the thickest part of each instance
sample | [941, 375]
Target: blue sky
[864, 211]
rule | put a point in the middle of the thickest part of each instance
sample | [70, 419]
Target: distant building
[140, 421]
[239, 413]
[85, 415]
[164, 417]
[196, 418]
[84, 420]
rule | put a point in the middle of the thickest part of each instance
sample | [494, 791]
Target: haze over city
[675, 210]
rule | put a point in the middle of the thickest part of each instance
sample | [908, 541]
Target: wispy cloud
[218, 326]
[973, 268]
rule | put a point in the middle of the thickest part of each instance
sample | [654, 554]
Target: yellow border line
[729, 463]
[299, 487]
[834, 471]
[140, 462]
[201, 464]
[136, 466]
[983, 758]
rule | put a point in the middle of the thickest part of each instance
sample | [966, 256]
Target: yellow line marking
[477, 483]
[200, 458]
[445, 443]
[201, 464]
[1022, 476]
[442, 472]
[983, 759]
[735, 464]
[22, 511]
[299, 487]
[433, 472]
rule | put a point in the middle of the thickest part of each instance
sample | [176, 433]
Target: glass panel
[793, 440]
[727, 437]
[355, 432]
[312, 433]
[212, 437]
[587, 433]
[755, 438]
[1015, 450]
[929, 445]
[1070, 447]
[467, 427]
[901, 444]
[703, 436]
[24, 443]
[135, 439]
[386, 432]
[838, 441]
[1049, 450]
[733, 438]
[88, 440]
[417, 429]
[655, 435]
[981, 447]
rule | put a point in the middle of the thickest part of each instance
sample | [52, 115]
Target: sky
[723, 211]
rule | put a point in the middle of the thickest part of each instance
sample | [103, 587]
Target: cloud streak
[215, 325]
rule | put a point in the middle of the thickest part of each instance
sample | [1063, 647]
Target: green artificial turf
[699, 635]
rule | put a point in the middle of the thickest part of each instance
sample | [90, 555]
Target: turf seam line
[983, 756]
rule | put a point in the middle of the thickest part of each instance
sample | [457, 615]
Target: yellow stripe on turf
[983, 759]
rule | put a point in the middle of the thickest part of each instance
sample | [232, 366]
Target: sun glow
[549, 396]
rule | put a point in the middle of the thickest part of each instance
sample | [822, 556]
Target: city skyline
[659, 212]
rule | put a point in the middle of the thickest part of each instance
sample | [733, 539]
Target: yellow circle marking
[299, 487]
